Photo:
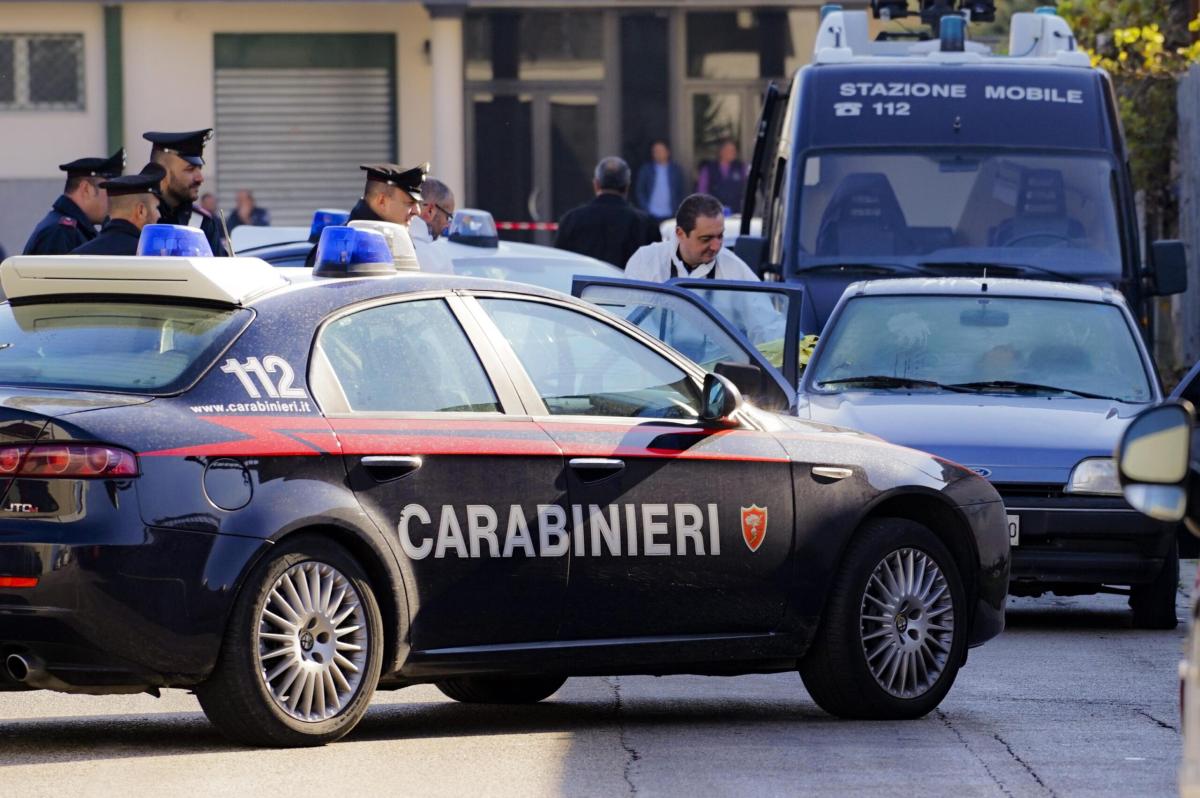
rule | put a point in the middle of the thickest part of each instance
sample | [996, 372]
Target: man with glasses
[431, 221]
[72, 219]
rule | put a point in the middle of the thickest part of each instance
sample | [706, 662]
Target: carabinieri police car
[285, 491]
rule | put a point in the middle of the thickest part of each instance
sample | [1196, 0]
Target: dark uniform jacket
[361, 210]
[117, 237]
[60, 231]
[208, 225]
[608, 228]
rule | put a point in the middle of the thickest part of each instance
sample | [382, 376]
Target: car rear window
[128, 347]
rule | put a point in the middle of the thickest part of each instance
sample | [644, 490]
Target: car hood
[1014, 438]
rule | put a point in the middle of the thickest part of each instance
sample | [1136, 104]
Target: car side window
[407, 357]
[583, 367]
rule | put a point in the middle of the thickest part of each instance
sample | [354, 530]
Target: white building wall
[34, 143]
[169, 67]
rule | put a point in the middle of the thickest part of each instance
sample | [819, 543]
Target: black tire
[501, 689]
[837, 671]
[237, 697]
[1153, 604]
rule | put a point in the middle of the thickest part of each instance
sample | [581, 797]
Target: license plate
[1014, 529]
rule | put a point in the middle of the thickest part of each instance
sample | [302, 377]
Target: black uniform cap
[96, 167]
[407, 180]
[147, 181]
[189, 146]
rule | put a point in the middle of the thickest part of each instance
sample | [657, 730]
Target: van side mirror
[721, 398]
[1153, 457]
[1168, 267]
[751, 249]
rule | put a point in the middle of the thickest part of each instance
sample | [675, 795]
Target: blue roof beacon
[173, 240]
[324, 217]
[352, 252]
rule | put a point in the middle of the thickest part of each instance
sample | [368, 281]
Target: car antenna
[225, 230]
[984, 287]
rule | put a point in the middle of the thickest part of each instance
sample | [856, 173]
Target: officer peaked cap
[407, 180]
[189, 146]
[148, 181]
[96, 167]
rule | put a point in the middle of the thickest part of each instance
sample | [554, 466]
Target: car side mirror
[754, 384]
[1168, 267]
[1153, 458]
[721, 398]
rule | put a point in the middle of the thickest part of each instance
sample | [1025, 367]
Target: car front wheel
[303, 650]
[894, 631]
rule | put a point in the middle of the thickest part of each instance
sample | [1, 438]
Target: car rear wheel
[303, 650]
[894, 631]
[501, 689]
[1153, 604]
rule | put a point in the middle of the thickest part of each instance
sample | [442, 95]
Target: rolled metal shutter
[295, 133]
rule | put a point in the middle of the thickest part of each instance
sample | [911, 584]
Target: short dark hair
[612, 174]
[695, 206]
[73, 182]
[663, 142]
[374, 187]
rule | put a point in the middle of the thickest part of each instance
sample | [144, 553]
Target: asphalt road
[1069, 701]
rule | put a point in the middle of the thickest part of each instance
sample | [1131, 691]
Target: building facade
[512, 102]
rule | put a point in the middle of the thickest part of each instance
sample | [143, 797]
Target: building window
[534, 45]
[41, 72]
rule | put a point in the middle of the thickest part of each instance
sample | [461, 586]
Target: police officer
[182, 156]
[83, 205]
[132, 204]
[392, 194]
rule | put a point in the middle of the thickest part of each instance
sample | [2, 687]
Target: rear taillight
[18, 581]
[67, 461]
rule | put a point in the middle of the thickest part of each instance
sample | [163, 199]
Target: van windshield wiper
[1000, 266]
[1025, 387]
[884, 381]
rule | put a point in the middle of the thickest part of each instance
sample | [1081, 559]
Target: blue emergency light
[352, 252]
[953, 33]
[173, 240]
[1050, 11]
[324, 217]
[475, 228]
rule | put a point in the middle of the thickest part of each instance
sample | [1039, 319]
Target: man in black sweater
[608, 227]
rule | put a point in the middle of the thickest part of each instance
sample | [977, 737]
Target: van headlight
[1097, 476]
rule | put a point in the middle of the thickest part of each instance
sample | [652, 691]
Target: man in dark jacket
[133, 204]
[182, 156]
[83, 205]
[392, 194]
[608, 227]
[659, 187]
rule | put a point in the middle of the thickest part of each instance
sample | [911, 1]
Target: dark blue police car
[285, 492]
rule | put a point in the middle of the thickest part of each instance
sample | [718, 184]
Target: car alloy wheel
[312, 641]
[907, 623]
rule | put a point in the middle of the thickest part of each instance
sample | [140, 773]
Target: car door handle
[594, 469]
[384, 468]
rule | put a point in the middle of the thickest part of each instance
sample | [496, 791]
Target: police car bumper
[1084, 539]
[115, 612]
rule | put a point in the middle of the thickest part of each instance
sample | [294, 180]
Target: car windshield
[113, 346]
[945, 209]
[1034, 346]
[553, 273]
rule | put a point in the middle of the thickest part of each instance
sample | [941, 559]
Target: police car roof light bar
[173, 241]
[352, 252]
[475, 228]
[228, 281]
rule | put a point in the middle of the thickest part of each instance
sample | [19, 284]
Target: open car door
[774, 317]
[683, 320]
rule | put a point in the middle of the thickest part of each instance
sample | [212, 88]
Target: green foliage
[1146, 45]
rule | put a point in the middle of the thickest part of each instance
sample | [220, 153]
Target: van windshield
[939, 209]
[127, 347]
